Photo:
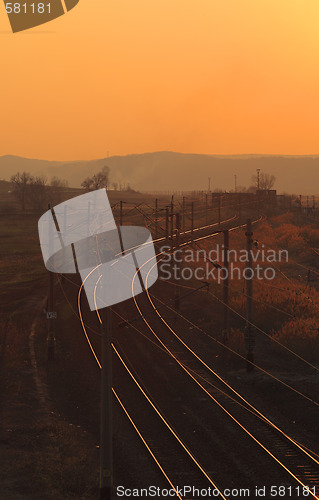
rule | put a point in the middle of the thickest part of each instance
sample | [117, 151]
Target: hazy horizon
[221, 155]
[172, 171]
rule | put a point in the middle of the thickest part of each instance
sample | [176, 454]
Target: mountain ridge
[169, 170]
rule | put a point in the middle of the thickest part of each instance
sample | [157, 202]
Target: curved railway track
[291, 457]
[147, 414]
[202, 398]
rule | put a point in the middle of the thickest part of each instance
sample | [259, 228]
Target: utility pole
[51, 314]
[177, 288]
[249, 290]
[172, 220]
[258, 179]
[192, 222]
[226, 286]
[219, 208]
[209, 184]
[167, 221]
[121, 213]
[183, 214]
[206, 208]
[156, 218]
[239, 208]
[106, 451]
[172, 216]
[258, 191]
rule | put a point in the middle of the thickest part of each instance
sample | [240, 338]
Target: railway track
[291, 468]
[189, 474]
[166, 444]
[289, 464]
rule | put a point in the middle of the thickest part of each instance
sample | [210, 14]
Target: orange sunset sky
[130, 76]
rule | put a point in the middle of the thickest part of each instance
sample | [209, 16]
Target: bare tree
[97, 181]
[34, 192]
[56, 190]
[38, 192]
[58, 183]
[21, 186]
[266, 181]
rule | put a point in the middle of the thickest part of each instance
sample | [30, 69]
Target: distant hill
[178, 171]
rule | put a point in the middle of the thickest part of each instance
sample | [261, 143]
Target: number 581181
[23, 8]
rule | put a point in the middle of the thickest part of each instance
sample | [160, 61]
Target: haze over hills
[161, 171]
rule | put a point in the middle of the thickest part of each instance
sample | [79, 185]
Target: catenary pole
[249, 304]
[156, 218]
[50, 309]
[121, 213]
[226, 286]
[177, 288]
[192, 222]
[106, 448]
